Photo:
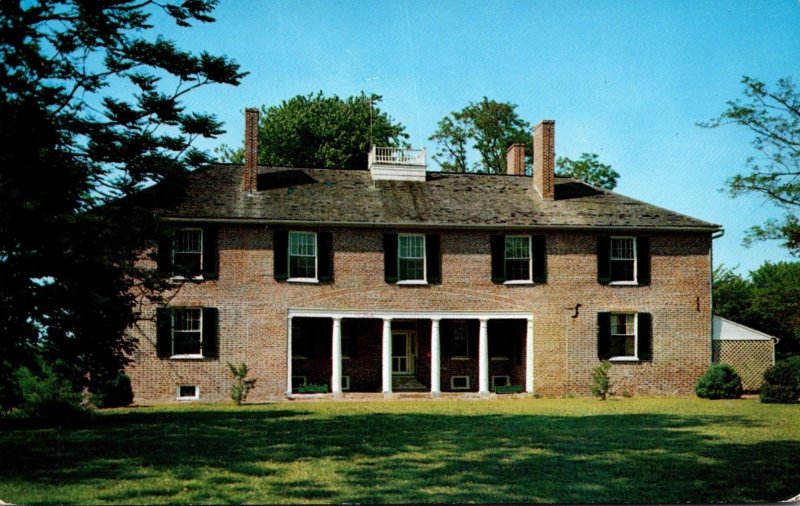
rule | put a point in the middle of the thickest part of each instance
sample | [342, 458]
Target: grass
[640, 450]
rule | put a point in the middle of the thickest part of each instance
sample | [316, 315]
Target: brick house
[396, 279]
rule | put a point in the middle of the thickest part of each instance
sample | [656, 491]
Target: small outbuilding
[747, 350]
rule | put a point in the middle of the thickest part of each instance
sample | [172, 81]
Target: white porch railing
[396, 156]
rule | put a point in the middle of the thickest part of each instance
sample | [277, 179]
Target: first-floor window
[302, 255]
[411, 257]
[187, 252]
[623, 335]
[187, 331]
[518, 258]
[460, 339]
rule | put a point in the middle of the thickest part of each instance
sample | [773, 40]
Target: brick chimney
[515, 159]
[544, 158]
[250, 149]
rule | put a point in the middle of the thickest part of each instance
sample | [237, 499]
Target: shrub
[241, 384]
[47, 395]
[601, 382]
[116, 392]
[509, 389]
[311, 388]
[721, 381]
[781, 382]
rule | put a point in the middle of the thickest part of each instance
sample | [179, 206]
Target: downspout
[715, 235]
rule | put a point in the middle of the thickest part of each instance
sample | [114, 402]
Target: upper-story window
[518, 258]
[411, 257]
[302, 255]
[623, 260]
[187, 252]
[622, 266]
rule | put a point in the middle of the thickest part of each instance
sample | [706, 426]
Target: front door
[404, 345]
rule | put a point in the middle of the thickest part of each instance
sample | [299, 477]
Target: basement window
[188, 392]
[459, 382]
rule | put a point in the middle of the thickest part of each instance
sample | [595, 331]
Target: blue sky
[628, 80]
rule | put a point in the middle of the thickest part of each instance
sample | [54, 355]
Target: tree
[322, 132]
[75, 149]
[488, 128]
[767, 300]
[773, 116]
[588, 169]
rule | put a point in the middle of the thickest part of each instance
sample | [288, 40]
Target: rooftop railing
[396, 156]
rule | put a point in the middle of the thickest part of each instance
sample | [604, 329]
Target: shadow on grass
[294, 456]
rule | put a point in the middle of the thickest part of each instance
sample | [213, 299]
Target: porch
[408, 353]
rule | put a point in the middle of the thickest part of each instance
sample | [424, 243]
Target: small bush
[721, 381]
[114, 393]
[781, 382]
[601, 382]
[241, 384]
[311, 388]
[47, 395]
[509, 389]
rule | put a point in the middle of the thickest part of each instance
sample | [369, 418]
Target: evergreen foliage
[601, 381]
[241, 384]
[721, 381]
[781, 382]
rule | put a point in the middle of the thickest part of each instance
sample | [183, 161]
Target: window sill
[498, 358]
[412, 282]
[298, 357]
[184, 399]
[184, 278]
[459, 358]
[623, 283]
[623, 359]
[518, 282]
[186, 357]
[311, 281]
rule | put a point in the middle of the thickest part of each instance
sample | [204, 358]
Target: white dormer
[397, 164]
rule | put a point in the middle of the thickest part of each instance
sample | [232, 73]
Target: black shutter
[603, 336]
[498, 244]
[390, 257]
[645, 336]
[210, 253]
[280, 258]
[325, 257]
[210, 332]
[643, 260]
[433, 259]
[164, 332]
[604, 259]
[539, 247]
[164, 254]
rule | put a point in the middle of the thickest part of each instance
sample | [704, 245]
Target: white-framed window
[187, 252]
[187, 333]
[345, 339]
[459, 382]
[518, 258]
[302, 256]
[460, 348]
[622, 267]
[623, 340]
[187, 392]
[300, 341]
[298, 381]
[500, 381]
[411, 258]
[345, 382]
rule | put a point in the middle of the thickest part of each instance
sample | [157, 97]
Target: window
[500, 381]
[623, 335]
[187, 252]
[460, 340]
[303, 255]
[459, 382]
[623, 260]
[518, 258]
[187, 332]
[411, 258]
[300, 341]
[188, 392]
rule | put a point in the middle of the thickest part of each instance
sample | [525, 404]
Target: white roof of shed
[727, 330]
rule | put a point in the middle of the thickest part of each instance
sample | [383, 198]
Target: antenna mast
[369, 80]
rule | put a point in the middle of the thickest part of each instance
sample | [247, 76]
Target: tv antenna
[367, 83]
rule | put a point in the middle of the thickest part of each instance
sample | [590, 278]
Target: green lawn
[515, 450]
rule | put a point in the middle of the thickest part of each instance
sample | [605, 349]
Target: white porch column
[483, 358]
[387, 356]
[529, 357]
[336, 357]
[289, 360]
[436, 355]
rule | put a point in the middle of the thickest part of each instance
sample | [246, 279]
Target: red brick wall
[253, 312]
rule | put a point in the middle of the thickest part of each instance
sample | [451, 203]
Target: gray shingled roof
[332, 196]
